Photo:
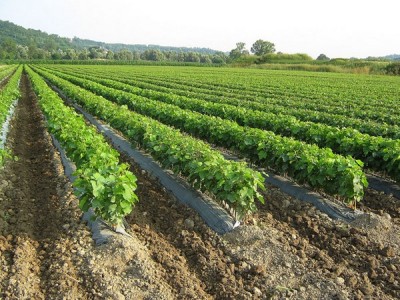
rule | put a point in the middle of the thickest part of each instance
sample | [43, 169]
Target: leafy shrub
[393, 68]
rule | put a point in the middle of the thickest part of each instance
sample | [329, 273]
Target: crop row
[102, 183]
[232, 183]
[275, 95]
[320, 168]
[8, 95]
[279, 96]
[376, 152]
[328, 88]
[6, 71]
[356, 110]
[368, 127]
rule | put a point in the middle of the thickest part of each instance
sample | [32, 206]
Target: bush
[283, 58]
[393, 68]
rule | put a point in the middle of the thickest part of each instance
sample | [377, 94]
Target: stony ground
[288, 250]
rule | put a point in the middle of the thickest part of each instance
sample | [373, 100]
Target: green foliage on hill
[19, 43]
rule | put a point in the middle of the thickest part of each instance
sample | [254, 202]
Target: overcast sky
[339, 28]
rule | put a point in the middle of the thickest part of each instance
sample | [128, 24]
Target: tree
[205, 59]
[41, 54]
[219, 57]
[22, 52]
[180, 56]
[32, 50]
[238, 51]
[322, 57]
[124, 54]
[110, 55]
[50, 45]
[70, 54]
[153, 55]
[57, 54]
[135, 55]
[261, 47]
[9, 47]
[192, 57]
[393, 68]
[96, 52]
[83, 54]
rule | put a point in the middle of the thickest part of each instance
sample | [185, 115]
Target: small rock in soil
[388, 251]
[367, 289]
[189, 223]
[285, 203]
[257, 292]
[259, 269]
[339, 280]
[387, 216]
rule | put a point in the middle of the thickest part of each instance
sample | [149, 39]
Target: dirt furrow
[31, 189]
[286, 250]
[381, 204]
[363, 253]
[24, 281]
[58, 257]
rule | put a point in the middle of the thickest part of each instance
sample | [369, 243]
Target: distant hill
[393, 57]
[83, 43]
[20, 43]
[28, 37]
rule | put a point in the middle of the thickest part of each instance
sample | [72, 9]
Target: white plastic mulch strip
[6, 125]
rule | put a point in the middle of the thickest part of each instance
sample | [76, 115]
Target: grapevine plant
[102, 183]
[377, 153]
[8, 95]
[319, 167]
[231, 183]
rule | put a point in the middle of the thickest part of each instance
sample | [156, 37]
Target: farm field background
[328, 132]
[268, 101]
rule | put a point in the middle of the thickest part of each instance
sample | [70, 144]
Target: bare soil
[287, 250]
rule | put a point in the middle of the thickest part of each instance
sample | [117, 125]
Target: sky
[340, 28]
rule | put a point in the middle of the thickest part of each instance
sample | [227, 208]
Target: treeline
[19, 43]
[9, 50]
[115, 47]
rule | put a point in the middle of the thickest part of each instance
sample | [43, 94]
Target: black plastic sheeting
[69, 167]
[333, 210]
[212, 214]
[382, 185]
[100, 232]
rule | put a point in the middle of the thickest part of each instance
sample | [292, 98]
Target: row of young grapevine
[320, 168]
[6, 72]
[7, 69]
[329, 88]
[359, 110]
[8, 95]
[277, 96]
[102, 182]
[232, 183]
[364, 126]
[376, 152]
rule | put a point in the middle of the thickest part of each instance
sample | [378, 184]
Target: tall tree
[322, 57]
[238, 51]
[9, 48]
[153, 55]
[261, 47]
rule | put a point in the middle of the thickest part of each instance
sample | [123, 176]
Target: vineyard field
[216, 130]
